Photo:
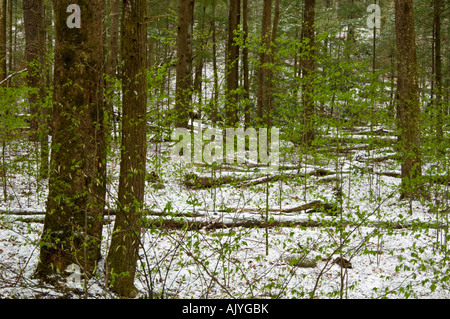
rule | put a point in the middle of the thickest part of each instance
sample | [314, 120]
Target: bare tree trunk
[308, 65]
[262, 97]
[10, 33]
[408, 98]
[438, 71]
[114, 38]
[184, 62]
[3, 64]
[112, 60]
[247, 110]
[198, 73]
[34, 21]
[123, 252]
[276, 17]
[215, 100]
[74, 216]
[232, 66]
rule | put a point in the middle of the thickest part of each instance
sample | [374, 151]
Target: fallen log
[194, 181]
[195, 223]
[315, 206]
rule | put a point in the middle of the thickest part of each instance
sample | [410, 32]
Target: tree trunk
[198, 73]
[271, 57]
[263, 97]
[408, 98]
[245, 64]
[232, 66]
[112, 61]
[114, 38]
[438, 72]
[123, 253]
[183, 90]
[74, 215]
[214, 113]
[307, 65]
[34, 21]
[3, 65]
[33, 14]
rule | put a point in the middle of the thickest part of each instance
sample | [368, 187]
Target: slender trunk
[123, 252]
[184, 62]
[247, 110]
[268, 111]
[114, 38]
[10, 40]
[308, 65]
[3, 64]
[232, 66]
[198, 73]
[33, 13]
[438, 71]
[214, 104]
[263, 97]
[34, 21]
[112, 62]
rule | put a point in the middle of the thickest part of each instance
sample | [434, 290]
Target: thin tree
[34, 21]
[75, 204]
[307, 67]
[123, 252]
[408, 111]
[3, 64]
[10, 35]
[183, 91]
[264, 58]
[232, 65]
[214, 113]
[270, 71]
[438, 70]
[200, 60]
[245, 64]
[113, 57]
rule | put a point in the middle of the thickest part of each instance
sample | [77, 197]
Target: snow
[388, 262]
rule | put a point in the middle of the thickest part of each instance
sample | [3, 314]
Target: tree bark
[112, 61]
[123, 253]
[3, 64]
[184, 62]
[200, 60]
[114, 38]
[34, 21]
[438, 72]
[10, 32]
[408, 98]
[232, 66]
[245, 64]
[74, 215]
[214, 112]
[271, 57]
[308, 65]
[263, 97]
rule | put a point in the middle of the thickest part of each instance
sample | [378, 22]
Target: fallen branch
[11, 75]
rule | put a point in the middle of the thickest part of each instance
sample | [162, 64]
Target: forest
[224, 149]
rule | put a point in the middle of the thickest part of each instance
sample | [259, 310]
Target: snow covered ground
[397, 249]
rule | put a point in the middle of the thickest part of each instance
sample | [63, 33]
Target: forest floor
[237, 232]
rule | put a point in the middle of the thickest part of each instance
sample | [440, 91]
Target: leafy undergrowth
[238, 239]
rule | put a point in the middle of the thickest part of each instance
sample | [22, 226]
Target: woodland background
[86, 116]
